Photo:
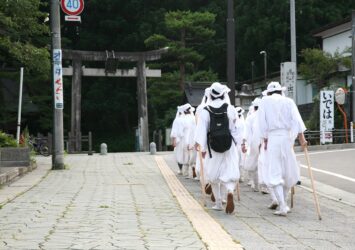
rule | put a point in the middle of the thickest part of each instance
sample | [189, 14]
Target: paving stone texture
[117, 201]
[121, 201]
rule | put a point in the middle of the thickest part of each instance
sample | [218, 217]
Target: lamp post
[265, 63]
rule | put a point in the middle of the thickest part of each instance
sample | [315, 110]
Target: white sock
[279, 192]
[216, 189]
[272, 194]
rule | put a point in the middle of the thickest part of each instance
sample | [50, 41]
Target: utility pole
[57, 82]
[353, 66]
[293, 43]
[231, 51]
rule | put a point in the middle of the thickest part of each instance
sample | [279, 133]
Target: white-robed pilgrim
[279, 123]
[204, 102]
[240, 126]
[190, 136]
[221, 168]
[253, 140]
[178, 134]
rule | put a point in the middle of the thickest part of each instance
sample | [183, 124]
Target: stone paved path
[122, 201]
[118, 201]
[255, 227]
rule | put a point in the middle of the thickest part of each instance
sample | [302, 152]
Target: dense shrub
[6, 140]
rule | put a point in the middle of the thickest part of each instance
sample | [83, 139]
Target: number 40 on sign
[72, 7]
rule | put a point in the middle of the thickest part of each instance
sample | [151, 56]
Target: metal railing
[339, 136]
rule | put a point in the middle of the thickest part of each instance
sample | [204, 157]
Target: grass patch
[104, 206]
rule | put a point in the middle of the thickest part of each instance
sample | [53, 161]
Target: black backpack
[219, 137]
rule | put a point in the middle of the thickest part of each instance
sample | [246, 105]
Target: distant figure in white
[216, 131]
[204, 102]
[180, 135]
[252, 139]
[280, 123]
[240, 125]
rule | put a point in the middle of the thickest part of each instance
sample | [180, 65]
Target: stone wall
[14, 157]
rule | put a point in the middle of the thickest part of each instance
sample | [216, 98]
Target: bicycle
[38, 146]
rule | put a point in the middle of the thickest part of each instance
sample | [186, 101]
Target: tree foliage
[319, 66]
[24, 38]
[185, 30]
[194, 30]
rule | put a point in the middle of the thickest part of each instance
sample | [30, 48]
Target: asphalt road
[332, 167]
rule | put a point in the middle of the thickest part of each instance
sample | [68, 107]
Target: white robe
[222, 167]
[253, 139]
[198, 161]
[191, 128]
[240, 126]
[280, 122]
[179, 132]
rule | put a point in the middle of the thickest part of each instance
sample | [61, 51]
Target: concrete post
[103, 149]
[293, 43]
[153, 148]
[231, 50]
[58, 137]
[351, 132]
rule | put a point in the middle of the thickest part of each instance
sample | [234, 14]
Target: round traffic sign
[72, 7]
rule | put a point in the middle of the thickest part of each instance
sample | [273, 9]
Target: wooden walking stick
[292, 194]
[312, 182]
[202, 177]
[238, 191]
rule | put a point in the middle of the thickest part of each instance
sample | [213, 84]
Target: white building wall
[304, 92]
[338, 42]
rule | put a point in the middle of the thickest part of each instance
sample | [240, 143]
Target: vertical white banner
[326, 106]
[58, 79]
[288, 78]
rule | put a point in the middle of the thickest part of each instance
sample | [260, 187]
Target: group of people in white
[227, 148]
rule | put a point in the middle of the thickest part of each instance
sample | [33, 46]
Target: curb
[15, 172]
[326, 147]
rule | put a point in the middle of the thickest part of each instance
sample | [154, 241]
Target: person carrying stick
[216, 138]
[280, 123]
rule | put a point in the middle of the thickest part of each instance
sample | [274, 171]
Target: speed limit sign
[72, 7]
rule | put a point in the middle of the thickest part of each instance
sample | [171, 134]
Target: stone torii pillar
[141, 72]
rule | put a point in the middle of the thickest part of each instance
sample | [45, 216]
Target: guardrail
[339, 136]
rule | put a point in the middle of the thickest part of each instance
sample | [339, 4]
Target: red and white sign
[72, 7]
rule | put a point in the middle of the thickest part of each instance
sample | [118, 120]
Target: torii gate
[111, 58]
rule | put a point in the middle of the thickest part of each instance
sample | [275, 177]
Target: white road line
[330, 173]
[327, 151]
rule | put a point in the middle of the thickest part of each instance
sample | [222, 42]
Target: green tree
[318, 66]
[185, 30]
[24, 35]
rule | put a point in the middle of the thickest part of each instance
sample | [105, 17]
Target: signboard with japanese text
[326, 105]
[288, 78]
[58, 79]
